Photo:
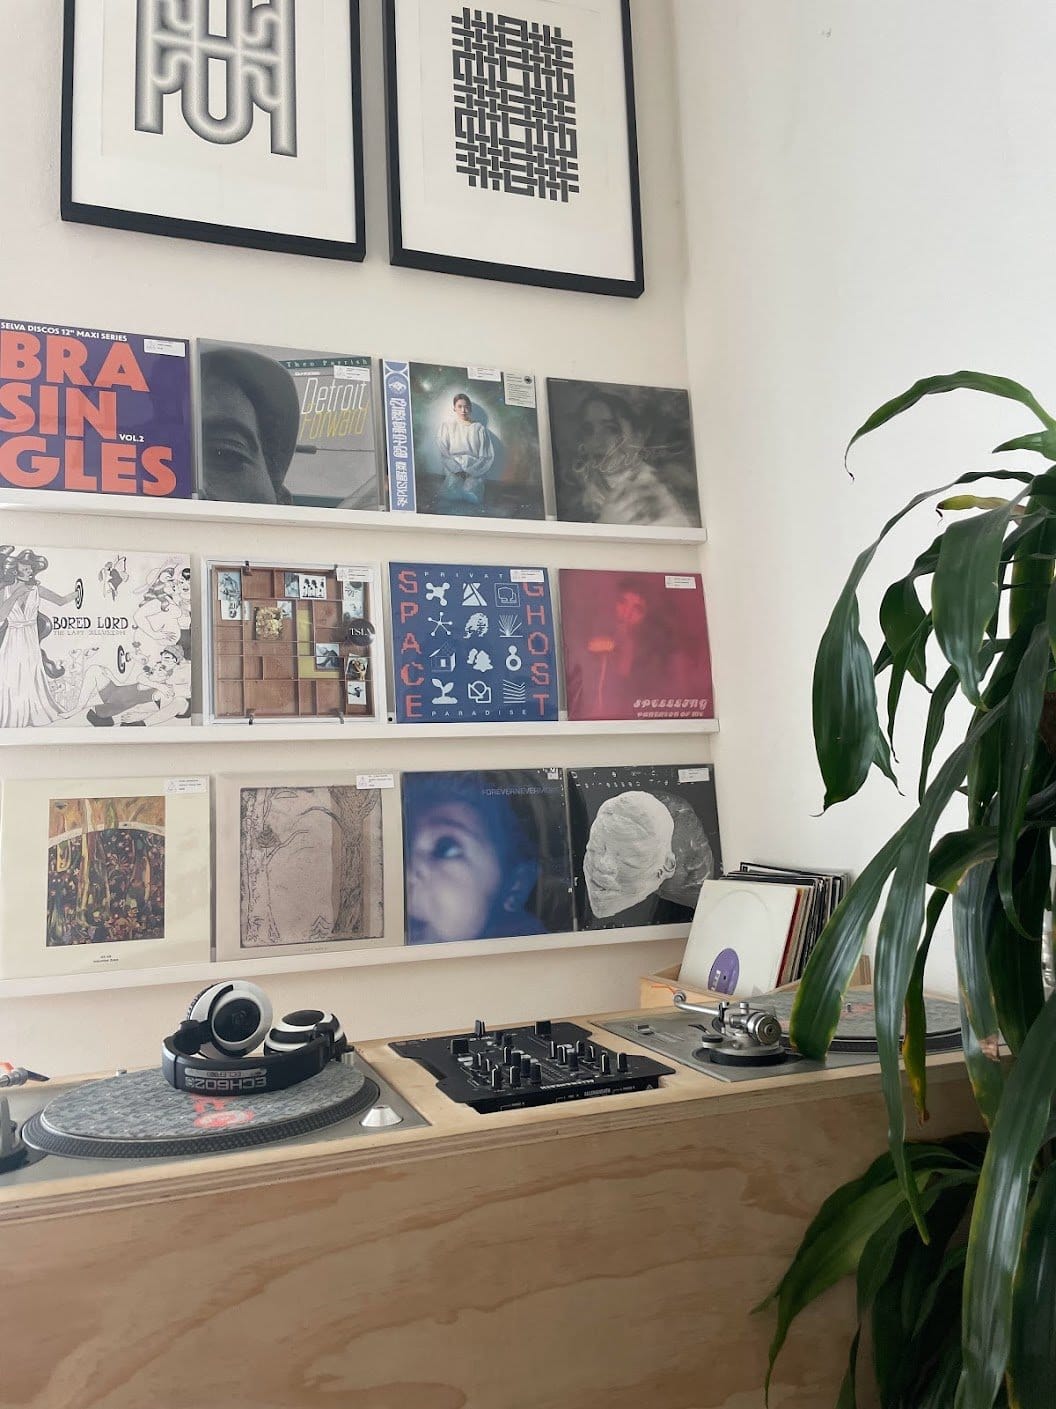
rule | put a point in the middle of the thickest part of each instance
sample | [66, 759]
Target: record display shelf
[292, 516]
[282, 732]
[376, 957]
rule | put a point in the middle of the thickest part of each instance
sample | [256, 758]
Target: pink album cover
[635, 645]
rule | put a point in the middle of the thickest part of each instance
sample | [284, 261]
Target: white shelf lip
[117, 506]
[198, 975]
[304, 733]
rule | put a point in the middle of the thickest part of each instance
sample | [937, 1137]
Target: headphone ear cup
[297, 1029]
[198, 1007]
[239, 1017]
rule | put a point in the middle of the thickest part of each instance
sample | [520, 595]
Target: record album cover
[90, 636]
[94, 412]
[286, 426]
[644, 840]
[293, 641]
[472, 643]
[485, 855]
[463, 440]
[99, 874]
[635, 645]
[623, 454]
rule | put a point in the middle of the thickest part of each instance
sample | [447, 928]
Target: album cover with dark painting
[644, 840]
[279, 425]
[623, 454]
[463, 441]
[485, 855]
[635, 645]
[300, 864]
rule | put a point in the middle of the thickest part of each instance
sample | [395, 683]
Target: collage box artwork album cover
[100, 874]
[310, 867]
[286, 426]
[644, 840]
[463, 440]
[635, 645]
[472, 643]
[294, 641]
[95, 412]
[485, 855]
[623, 454]
[94, 637]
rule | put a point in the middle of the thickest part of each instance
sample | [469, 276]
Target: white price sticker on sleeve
[484, 374]
[372, 782]
[343, 373]
[694, 775]
[683, 583]
[527, 575]
[164, 347]
[184, 787]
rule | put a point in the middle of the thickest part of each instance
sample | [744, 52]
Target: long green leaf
[915, 1043]
[1041, 442]
[964, 591]
[957, 852]
[1014, 962]
[897, 938]
[940, 702]
[1019, 734]
[975, 907]
[1032, 1376]
[954, 381]
[819, 997]
[1000, 1213]
[848, 1395]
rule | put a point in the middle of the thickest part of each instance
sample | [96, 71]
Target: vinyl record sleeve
[623, 454]
[135, 895]
[293, 641]
[94, 412]
[635, 645]
[644, 840]
[739, 936]
[300, 864]
[280, 425]
[485, 855]
[94, 636]
[463, 441]
[472, 643]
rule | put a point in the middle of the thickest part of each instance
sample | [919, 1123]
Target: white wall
[869, 200]
[81, 275]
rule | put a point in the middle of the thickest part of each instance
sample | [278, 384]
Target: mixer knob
[460, 1046]
[562, 1056]
[543, 1027]
[592, 1052]
[507, 1053]
[622, 1063]
[581, 1048]
[606, 1064]
[537, 1074]
[526, 1065]
[515, 1076]
[479, 1028]
[573, 1061]
[496, 1079]
[553, 1051]
[478, 1062]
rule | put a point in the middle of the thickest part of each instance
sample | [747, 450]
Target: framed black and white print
[233, 121]
[513, 151]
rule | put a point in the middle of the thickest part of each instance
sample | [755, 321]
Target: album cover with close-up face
[644, 840]
[94, 637]
[485, 855]
[280, 425]
[623, 454]
[288, 641]
[463, 441]
[299, 864]
[635, 645]
[98, 874]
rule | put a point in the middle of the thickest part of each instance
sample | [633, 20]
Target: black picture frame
[401, 255]
[146, 223]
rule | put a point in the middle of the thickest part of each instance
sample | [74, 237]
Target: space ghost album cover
[485, 855]
[623, 454]
[644, 840]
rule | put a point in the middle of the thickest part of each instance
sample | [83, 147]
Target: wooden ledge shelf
[286, 733]
[115, 506]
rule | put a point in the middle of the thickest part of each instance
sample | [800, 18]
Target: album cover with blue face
[485, 855]
[472, 644]
[644, 840]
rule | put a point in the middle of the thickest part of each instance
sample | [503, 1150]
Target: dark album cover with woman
[644, 840]
[485, 855]
[623, 454]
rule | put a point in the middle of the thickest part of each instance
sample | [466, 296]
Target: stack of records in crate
[819, 893]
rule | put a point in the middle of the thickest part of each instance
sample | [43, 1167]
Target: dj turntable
[747, 1041]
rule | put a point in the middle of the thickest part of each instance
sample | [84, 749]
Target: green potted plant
[952, 1243]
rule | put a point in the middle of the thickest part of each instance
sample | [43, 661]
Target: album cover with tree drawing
[289, 641]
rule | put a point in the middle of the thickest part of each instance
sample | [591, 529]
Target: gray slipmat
[138, 1115]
